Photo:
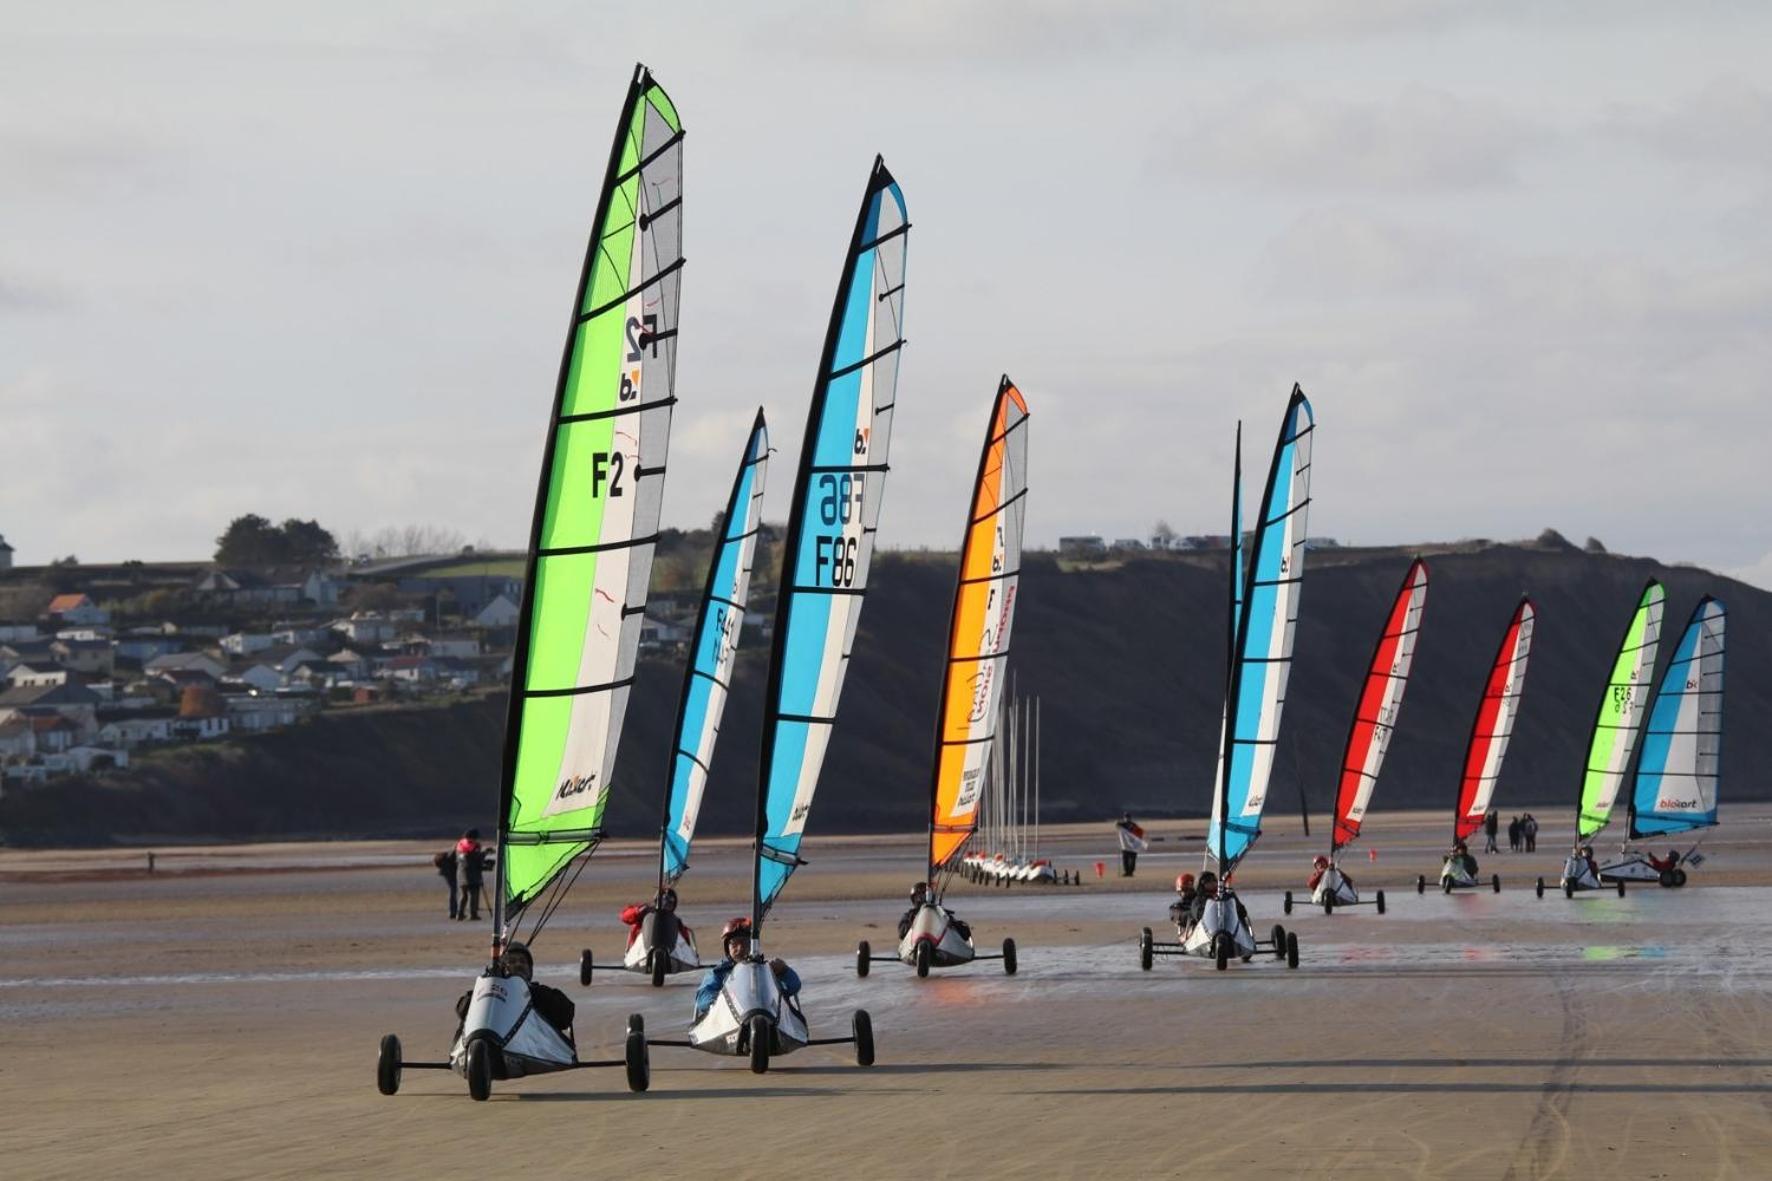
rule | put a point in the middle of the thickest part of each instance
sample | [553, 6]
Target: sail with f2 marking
[1262, 659]
[1621, 713]
[978, 636]
[1494, 723]
[831, 525]
[1677, 776]
[713, 650]
[1381, 699]
[596, 513]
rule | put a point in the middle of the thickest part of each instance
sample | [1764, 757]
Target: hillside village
[100, 665]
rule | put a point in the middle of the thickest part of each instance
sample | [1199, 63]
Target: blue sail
[712, 651]
[1682, 755]
[1262, 657]
[831, 529]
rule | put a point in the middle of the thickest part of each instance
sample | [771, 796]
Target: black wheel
[1329, 902]
[1666, 878]
[387, 1066]
[1445, 885]
[1287, 904]
[1008, 957]
[924, 957]
[1278, 938]
[1421, 884]
[1541, 887]
[661, 959]
[1380, 902]
[1495, 882]
[863, 1026]
[479, 1071]
[636, 1023]
[1221, 951]
[1621, 887]
[862, 954]
[1291, 949]
[584, 968]
[1679, 877]
[759, 1028]
[638, 1061]
[1145, 954]
[1568, 888]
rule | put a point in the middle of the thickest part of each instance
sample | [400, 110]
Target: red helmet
[1184, 881]
[1321, 862]
[739, 925]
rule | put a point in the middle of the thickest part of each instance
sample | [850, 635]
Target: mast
[1230, 653]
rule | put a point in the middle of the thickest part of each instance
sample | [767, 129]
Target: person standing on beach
[1513, 835]
[1529, 830]
[445, 863]
[1132, 843]
[470, 865]
[1491, 826]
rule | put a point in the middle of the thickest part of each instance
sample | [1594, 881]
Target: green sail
[1621, 713]
[596, 518]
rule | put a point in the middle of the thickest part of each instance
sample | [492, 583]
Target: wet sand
[220, 1019]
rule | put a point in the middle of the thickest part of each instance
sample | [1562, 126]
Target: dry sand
[220, 1020]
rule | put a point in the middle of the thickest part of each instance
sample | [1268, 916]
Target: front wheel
[924, 957]
[661, 960]
[863, 953]
[636, 1023]
[1221, 951]
[863, 1027]
[1421, 884]
[1679, 877]
[1329, 902]
[1568, 888]
[1008, 957]
[1380, 902]
[1287, 904]
[1541, 887]
[637, 1060]
[479, 1072]
[1495, 882]
[1145, 954]
[1445, 885]
[1291, 949]
[759, 1027]
[1621, 887]
[584, 968]
[1278, 938]
[387, 1066]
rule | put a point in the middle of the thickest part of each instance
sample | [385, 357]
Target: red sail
[1494, 723]
[1375, 717]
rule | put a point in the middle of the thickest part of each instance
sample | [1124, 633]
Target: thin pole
[1036, 778]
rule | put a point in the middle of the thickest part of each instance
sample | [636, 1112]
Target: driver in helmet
[1460, 859]
[735, 943]
[1182, 907]
[550, 1004]
[665, 904]
[922, 896]
[1319, 867]
[1589, 866]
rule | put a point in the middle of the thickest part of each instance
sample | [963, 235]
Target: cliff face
[1129, 666]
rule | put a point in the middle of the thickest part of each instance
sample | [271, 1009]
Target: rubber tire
[479, 1071]
[387, 1066]
[660, 961]
[759, 1027]
[1291, 949]
[863, 953]
[1621, 887]
[636, 1023]
[1541, 887]
[1278, 938]
[1568, 888]
[923, 957]
[1679, 877]
[1495, 882]
[1445, 885]
[1221, 951]
[584, 968]
[1145, 955]
[1380, 899]
[863, 1027]
[1666, 878]
[1329, 902]
[638, 1061]
[1421, 884]
[1287, 905]
[1008, 957]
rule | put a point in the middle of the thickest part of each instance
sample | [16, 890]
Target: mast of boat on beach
[1622, 707]
[831, 528]
[1494, 722]
[596, 518]
[1682, 760]
[1381, 699]
[1264, 618]
[978, 634]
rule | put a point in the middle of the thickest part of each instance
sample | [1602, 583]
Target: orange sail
[978, 641]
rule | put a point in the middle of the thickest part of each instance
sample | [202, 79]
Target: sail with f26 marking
[978, 637]
[1681, 764]
[831, 526]
[596, 512]
[1494, 722]
[1381, 699]
[1621, 713]
[707, 676]
[1262, 657]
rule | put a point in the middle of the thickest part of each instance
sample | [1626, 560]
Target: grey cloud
[1728, 122]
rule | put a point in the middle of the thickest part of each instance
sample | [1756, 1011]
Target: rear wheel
[1329, 902]
[1380, 902]
[1621, 887]
[1495, 882]
[584, 968]
[1287, 904]
[479, 1071]
[1568, 888]
[1421, 884]
[1445, 885]
[1145, 954]
[1008, 957]
[1679, 877]
[863, 1026]
[636, 1023]
[1278, 938]
[1541, 887]
[1221, 951]
[862, 954]
[387, 1066]
[924, 957]
[1666, 878]
[759, 1027]
[1291, 949]
[638, 1061]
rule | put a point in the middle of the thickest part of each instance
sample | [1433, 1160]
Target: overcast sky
[316, 260]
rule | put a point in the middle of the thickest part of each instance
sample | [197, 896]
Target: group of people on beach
[1522, 832]
[463, 866]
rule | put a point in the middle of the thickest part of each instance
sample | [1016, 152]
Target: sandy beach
[220, 1019]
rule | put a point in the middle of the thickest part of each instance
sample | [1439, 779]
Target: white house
[247, 643]
[126, 733]
[174, 662]
[85, 656]
[31, 674]
[254, 714]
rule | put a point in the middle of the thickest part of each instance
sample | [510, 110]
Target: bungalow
[259, 678]
[76, 609]
[349, 664]
[31, 674]
[201, 729]
[269, 587]
[296, 659]
[257, 714]
[85, 656]
[129, 730]
[179, 662]
[366, 627]
[298, 635]
[247, 643]
[411, 669]
[142, 647]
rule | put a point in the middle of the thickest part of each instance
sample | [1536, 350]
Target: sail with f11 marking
[1620, 718]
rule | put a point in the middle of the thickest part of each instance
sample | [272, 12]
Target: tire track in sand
[1545, 1147]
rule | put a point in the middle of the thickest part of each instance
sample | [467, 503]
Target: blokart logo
[575, 785]
[800, 811]
[1676, 806]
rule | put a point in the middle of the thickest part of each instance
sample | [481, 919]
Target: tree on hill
[251, 540]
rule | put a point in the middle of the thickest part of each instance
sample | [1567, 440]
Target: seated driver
[735, 946]
[1663, 864]
[666, 903]
[550, 1004]
[1182, 907]
[1590, 867]
[921, 897]
[1460, 859]
[1319, 867]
